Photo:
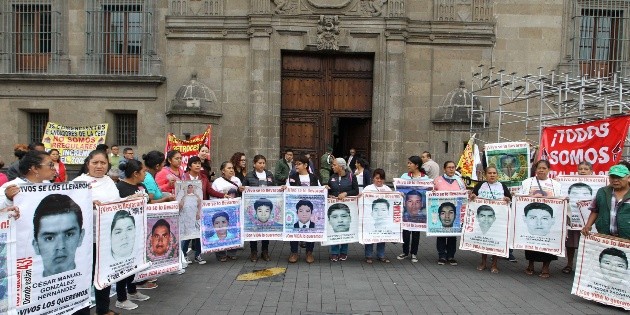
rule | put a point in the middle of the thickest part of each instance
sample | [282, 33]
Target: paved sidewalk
[354, 287]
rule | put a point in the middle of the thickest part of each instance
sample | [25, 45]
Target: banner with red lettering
[599, 142]
[188, 148]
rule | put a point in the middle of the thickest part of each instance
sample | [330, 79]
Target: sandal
[384, 260]
[494, 270]
[368, 260]
[567, 269]
[529, 271]
[544, 275]
[223, 259]
[481, 267]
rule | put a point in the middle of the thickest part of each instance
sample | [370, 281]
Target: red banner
[189, 147]
[599, 142]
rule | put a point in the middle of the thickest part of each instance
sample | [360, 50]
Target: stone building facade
[420, 50]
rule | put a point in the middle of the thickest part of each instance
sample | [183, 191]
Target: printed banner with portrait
[511, 160]
[580, 188]
[53, 244]
[7, 265]
[189, 148]
[221, 225]
[189, 196]
[120, 240]
[162, 243]
[342, 221]
[446, 210]
[486, 227]
[381, 217]
[539, 224]
[601, 270]
[415, 202]
[584, 207]
[74, 143]
[304, 218]
[263, 213]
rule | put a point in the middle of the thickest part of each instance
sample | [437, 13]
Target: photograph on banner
[221, 221]
[189, 196]
[7, 263]
[415, 202]
[511, 160]
[189, 148]
[601, 271]
[74, 143]
[446, 210]
[598, 142]
[485, 227]
[304, 213]
[162, 242]
[342, 221]
[579, 188]
[263, 213]
[120, 238]
[539, 224]
[380, 214]
[585, 211]
[53, 241]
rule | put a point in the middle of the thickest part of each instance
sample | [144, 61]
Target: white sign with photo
[342, 221]
[486, 227]
[580, 188]
[539, 224]
[380, 214]
[189, 195]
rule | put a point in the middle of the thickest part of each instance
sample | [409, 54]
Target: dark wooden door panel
[301, 133]
[352, 95]
[302, 94]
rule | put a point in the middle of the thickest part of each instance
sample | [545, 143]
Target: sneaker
[138, 297]
[343, 257]
[293, 258]
[309, 257]
[188, 250]
[452, 262]
[147, 286]
[200, 260]
[402, 256]
[152, 280]
[512, 258]
[414, 259]
[441, 261]
[126, 305]
[265, 256]
[188, 261]
[181, 271]
[334, 258]
[253, 256]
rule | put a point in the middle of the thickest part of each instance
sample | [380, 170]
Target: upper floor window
[37, 125]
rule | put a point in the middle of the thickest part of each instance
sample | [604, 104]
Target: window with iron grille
[126, 129]
[37, 126]
[29, 36]
[119, 36]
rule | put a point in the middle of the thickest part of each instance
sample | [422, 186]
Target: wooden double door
[326, 100]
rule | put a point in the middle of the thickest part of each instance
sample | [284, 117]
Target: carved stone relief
[329, 4]
[463, 10]
[328, 32]
[196, 7]
[372, 7]
[285, 6]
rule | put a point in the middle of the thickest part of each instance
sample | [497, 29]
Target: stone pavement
[354, 287]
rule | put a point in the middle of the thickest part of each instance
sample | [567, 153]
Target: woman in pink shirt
[446, 246]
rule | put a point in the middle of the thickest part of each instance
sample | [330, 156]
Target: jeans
[230, 252]
[123, 286]
[196, 246]
[446, 247]
[253, 245]
[380, 250]
[295, 245]
[339, 249]
[415, 240]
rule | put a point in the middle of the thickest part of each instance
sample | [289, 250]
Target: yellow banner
[74, 143]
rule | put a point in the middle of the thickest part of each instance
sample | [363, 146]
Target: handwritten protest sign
[74, 143]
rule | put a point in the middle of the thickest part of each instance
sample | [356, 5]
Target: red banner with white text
[599, 142]
[188, 147]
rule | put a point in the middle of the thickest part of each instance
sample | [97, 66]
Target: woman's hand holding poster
[263, 213]
[221, 225]
[486, 227]
[342, 221]
[380, 214]
[304, 218]
[580, 188]
[601, 271]
[446, 211]
[415, 202]
[53, 248]
[539, 224]
[120, 233]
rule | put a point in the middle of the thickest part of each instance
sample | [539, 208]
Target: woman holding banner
[446, 246]
[153, 161]
[411, 239]
[602, 215]
[540, 186]
[342, 184]
[491, 189]
[573, 236]
[59, 166]
[232, 187]
[170, 173]
[378, 180]
[302, 177]
[259, 176]
[35, 167]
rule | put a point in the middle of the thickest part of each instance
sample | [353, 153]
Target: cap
[619, 170]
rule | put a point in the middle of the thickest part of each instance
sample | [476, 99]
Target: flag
[466, 163]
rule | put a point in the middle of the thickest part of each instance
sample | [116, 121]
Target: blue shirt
[152, 186]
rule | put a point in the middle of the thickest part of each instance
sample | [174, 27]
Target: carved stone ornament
[328, 32]
[372, 7]
[285, 6]
[329, 4]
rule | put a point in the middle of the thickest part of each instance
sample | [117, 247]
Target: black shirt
[125, 189]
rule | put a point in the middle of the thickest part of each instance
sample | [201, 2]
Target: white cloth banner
[539, 224]
[601, 271]
[162, 243]
[304, 218]
[580, 188]
[53, 261]
[446, 210]
[415, 202]
[381, 217]
[120, 241]
[221, 225]
[189, 194]
[342, 221]
[486, 227]
[7, 265]
[263, 213]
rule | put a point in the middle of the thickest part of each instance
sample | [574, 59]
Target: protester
[325, 165]
[114, 157]
[540, 186]
[60, 168]
[302, 177]
[239, 161]
[610, 220]
[411, 239]
[35, 167]
[342, 184]
[170, 173]
[491, 189]
[3, 177]
[154, 161]
[259, 176]
[351, 159]
[430, 167]
[446, 246]
[204, 156]
[19, 150]
[232, 187]
[283, 167]
[573, 236]
[378, 179]
[363, 173]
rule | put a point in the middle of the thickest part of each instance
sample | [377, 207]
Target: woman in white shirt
[378, 184]
[228, 184]
[35, 167]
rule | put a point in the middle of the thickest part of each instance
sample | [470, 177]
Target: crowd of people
[113, 177]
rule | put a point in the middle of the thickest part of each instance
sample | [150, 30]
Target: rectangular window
[601, 41]
[126, 129]
[37, 126]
